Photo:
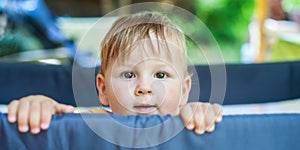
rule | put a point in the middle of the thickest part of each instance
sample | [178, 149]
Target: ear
[103, 97]
[186, 88]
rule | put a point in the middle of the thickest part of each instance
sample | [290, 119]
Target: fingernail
[199, 131]
[190, 126]
[11, 118]
[23, 128]
[44, 126]
[70, 108]
[219, 119]
[210, 129]
[35, 130]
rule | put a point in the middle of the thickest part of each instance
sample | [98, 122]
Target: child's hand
[35, 112]
[201, 117]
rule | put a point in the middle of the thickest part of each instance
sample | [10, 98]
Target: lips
[145, 109]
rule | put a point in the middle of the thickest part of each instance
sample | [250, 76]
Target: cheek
[173, 95]
[120, 97]
[170, 101]
[119, 90]
[168, 92]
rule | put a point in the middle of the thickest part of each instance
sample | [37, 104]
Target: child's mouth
[145, 109]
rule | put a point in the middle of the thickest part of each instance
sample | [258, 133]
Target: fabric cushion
[70, 131]
[246, 83]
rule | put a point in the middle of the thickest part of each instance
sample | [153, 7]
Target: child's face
[145, 83]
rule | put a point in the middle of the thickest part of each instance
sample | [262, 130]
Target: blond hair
[127, 30]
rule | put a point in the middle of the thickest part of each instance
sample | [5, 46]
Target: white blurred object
[286, 106]
[249, 51]
[274, 30]
[50, 61]
[293, 37]
[280, 27]
[86, 32]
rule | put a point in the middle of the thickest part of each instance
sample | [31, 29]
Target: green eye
[160, 75]
[128, 75]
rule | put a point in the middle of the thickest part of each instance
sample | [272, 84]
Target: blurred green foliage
[291, 5]
[228, 21]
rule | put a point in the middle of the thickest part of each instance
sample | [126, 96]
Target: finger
[23, 109]
[12, 111]
[186, 114]
[34, 117]
[46, 114]
[61, 108]
[210, 117]
[199, 119]
[69, 109]
[219, 112]
[211, 128]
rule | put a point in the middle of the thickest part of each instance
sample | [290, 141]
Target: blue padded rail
[18, 80]
[244, 132]
[246, 83]
[255, 83]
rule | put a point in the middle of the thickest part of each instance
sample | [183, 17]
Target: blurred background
[247, 31]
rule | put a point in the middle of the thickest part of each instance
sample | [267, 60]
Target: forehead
[166, 50]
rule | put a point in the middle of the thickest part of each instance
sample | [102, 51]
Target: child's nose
[142, 91]
[143, 87]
